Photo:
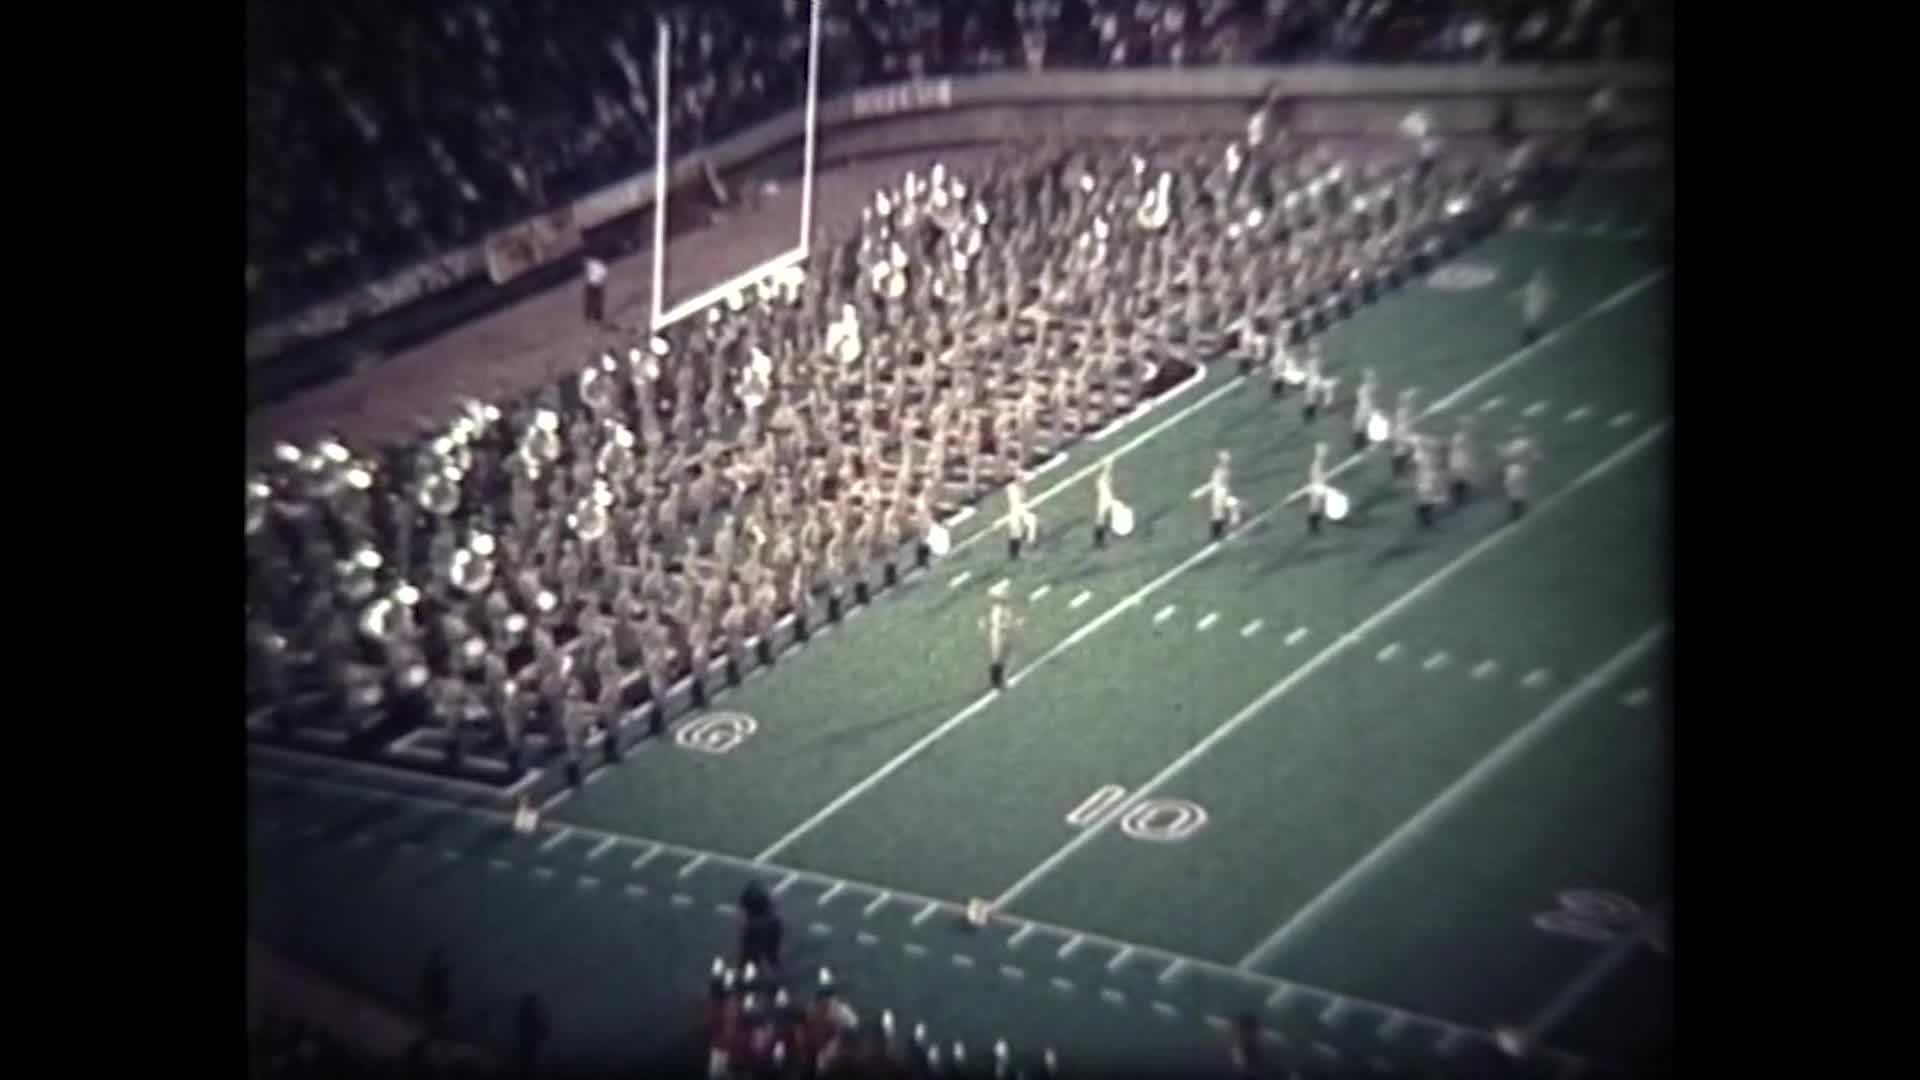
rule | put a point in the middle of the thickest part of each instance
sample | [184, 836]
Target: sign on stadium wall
[903, 97]
[512, 252]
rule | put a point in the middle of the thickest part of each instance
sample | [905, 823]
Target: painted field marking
[725, 911]
[1120, 958]
[1535, 679]
[1177, 962]
[925, 913]
[962, 960]
[544, 873]
[681, 899]
[1621, 420]
[960, 579]
[827, 897]
[1437, 661]
[865, 938]
[1035, 596]
[604, 771]
[1485, 668]
[1165, 1009]
[820, 929]
[1535, 409]
[601, 848]
[1081, 599]
[1637, 698]
[1298, 635]
[1387, 654]
[1281, 994]
[696, 863]
[785, 884]
[587, 881]
[875, 905]
[1331, 1014]
[1173, 971]
[1113, 996]
[1020, 936]
[1334, 648]
[1579, 414]
[1207, 620]
[645, 858]
[1416, 826]
[915, 950]
[449, 855]
[1396, 1021]
[1067, 949]
[1063, 985]
[1449, 1043]
[1165, 613]
[919, 745]
[1492, 403]
[1012, 972]
[497, 864]
[556, 840]
[1327, 1050]
[1252, 628]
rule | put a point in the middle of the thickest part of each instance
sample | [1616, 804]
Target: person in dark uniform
[530, 1030]
[596, 291]
[762, 932]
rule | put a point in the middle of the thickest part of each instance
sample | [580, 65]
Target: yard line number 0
[1157, 821]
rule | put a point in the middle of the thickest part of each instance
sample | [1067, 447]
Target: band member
[1103, 501]
[1516, 475]
[1283, 368]
[1535, 298]
[1404, 438]
[1317, 487]
[1429, 480]
[1023, 527]
[1364, 406]
[1460, 463]
[1224, 506]
[1320, 387]
[999, 623]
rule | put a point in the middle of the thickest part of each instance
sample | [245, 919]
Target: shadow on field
[847, 733]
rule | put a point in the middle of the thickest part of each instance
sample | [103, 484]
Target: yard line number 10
[1157, 821]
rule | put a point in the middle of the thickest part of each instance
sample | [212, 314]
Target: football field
[1386, 789]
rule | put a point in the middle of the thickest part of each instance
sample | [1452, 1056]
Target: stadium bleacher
[379, 135]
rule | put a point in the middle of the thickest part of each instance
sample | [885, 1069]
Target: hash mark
[1637, 699]
[1014, 941]
[820, 929]
[1534, 409]
[1485, 668]
[1164, 614]
[1012, 972]
[1065, 986]
[960, 579]
[865, 938]
[600, 848]
[1252, 628]
[1207, 620]
[496, 864]
[1081, 599]
[875, 904]
[1579, 414]
[1035, 596]
[636, 889]
[543, 872]
[556, 839]
[1436, 661]
[1299, 634]
[1535, 679]
[915, 950]
[1392, 650]
[962, 960]
[1114, 996]
[681, 899]
[693, 864]
[1622, 420]
[1067, 949]
[1119, 958]
[1493, 403]
[926, 913]
[589, 882]
[785, 884]
[827, 897]
[644, 859]
[1165, 1009]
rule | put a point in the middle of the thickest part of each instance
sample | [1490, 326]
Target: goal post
[667, 306]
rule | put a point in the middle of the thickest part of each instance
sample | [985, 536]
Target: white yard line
[1416, 826]
[1176, 963]
[920, 745]
[1333, 649]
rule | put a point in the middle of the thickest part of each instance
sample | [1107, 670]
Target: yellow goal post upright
[662, 316]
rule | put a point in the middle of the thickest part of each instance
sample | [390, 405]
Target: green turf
[1297, 794]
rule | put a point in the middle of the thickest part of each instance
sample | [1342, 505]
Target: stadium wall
[1008, 106]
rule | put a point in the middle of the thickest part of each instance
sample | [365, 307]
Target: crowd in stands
[526, 577]
[380, 134]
